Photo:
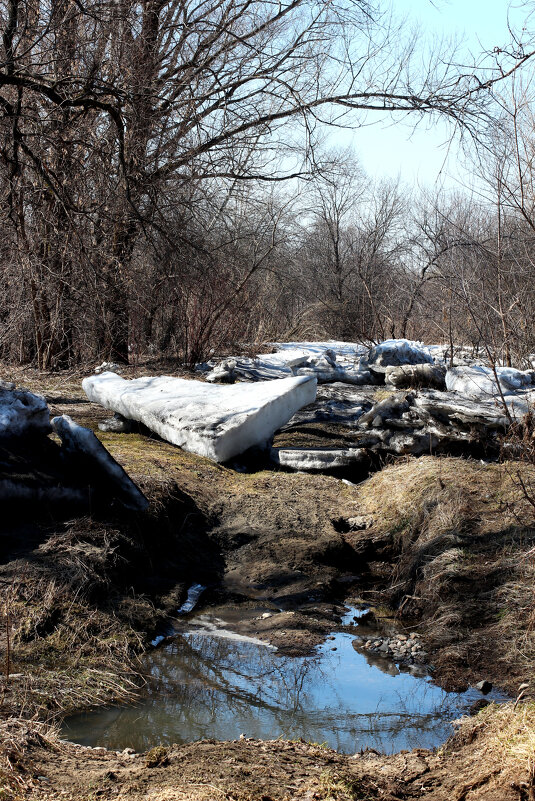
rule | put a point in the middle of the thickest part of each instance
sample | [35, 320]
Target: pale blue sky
[424, 156]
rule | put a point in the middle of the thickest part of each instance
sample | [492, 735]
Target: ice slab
[416, 375]
[326, 374]
[395, 352]
[217, 421]
[479, 383]
[194, 593]
[335, 403]
[317, 459]
[22, 412]
[78, 440]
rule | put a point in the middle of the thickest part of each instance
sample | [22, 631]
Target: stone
[360, 522]
[116, 425]
[484, 686]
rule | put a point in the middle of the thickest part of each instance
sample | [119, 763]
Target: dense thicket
[143, 145]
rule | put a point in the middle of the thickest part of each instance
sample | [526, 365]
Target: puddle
[207, 684]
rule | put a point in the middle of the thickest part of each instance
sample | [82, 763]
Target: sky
[426, 156]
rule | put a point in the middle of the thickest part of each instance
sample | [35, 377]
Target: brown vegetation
[457, 538]
[448, 550]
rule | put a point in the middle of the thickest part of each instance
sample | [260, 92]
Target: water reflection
[205, 686]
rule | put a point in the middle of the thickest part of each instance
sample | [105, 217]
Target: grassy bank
[451, 550]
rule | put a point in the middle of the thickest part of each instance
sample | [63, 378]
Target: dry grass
[73, 635]
[459, 540]
[509, 738]
[16, 737]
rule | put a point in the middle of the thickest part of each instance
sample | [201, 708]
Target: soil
[475, 765]
[445, 549]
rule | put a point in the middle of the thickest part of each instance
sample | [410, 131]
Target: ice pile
[326, 361]
[479, 383]
[393, 353]
[210, 420]
[22, 413]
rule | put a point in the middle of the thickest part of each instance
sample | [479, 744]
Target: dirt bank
[489, 759]
[85, 595]
[450, 549]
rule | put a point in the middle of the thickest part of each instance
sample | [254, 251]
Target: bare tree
[114, 113]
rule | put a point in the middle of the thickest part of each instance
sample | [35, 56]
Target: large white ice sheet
[218, 421]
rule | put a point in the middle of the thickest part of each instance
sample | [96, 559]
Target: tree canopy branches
[114, 114]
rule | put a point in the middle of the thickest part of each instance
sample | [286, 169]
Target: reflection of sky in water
[205, 686]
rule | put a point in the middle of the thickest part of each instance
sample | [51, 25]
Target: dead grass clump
[429, 517]
[17, 738]
[515, 616]
[457, 539]
[88, 554]
[507, 737]
[65, 651]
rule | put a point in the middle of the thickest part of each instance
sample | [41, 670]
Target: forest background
[175, 179]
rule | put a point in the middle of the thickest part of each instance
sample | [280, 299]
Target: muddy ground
[445, 546]
[489, 759]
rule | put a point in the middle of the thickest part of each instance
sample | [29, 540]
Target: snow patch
[479, 383]
[217, 421]
[350, 350]
[194, 593]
